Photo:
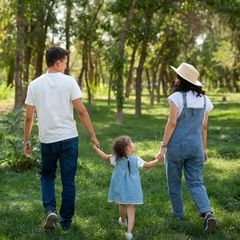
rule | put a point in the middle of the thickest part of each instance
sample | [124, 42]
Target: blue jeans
[190, 160]
[66, 152]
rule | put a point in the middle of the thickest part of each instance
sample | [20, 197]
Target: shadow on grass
[22, 214]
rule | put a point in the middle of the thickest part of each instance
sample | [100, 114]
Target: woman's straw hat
[188, 72]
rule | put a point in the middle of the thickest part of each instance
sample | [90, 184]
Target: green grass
[22, 214]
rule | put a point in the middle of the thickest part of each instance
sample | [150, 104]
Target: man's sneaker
[65, 226]
[129, 236]
[50, 220]
[123, 225]
[209, 223]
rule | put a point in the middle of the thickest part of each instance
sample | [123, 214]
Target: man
[52, 95]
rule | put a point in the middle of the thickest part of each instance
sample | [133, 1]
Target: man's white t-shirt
[192, 101]
[52, 95]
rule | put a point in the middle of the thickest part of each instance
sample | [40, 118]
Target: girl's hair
[185, 86]
[119, 147]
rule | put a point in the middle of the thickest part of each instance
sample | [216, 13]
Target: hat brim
[197, 83]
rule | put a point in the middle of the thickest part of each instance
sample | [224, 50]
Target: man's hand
[27, 150]
[95, 141]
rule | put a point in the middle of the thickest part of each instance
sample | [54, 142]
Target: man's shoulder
[66, 77]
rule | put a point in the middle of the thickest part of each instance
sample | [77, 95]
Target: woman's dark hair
[54, 54]
[185, 86]
[119, 147]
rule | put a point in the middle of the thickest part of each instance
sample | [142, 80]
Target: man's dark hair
[185, 86]
[54, 54]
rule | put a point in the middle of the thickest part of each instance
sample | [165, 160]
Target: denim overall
[185, 151]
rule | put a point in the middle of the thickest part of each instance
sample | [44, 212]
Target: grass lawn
[22, 214]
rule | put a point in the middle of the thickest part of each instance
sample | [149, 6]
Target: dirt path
[5, 109]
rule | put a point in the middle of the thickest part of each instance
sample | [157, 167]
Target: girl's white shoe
[123, 225]
[129, 236]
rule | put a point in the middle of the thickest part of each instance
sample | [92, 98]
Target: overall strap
[184, 99]
[204, 102]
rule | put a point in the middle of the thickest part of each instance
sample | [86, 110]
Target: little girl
[125, 186]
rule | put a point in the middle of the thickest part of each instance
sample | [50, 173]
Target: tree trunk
[119, 84]
[19, 55]
[150, 88]
[130, 74]
[138, 104]
[44, 21]
[10, 75]
[27, 57]
[67, 30]
[91, 68]
[80, 76]
[39, 59]
[101, 72]
[109, 89]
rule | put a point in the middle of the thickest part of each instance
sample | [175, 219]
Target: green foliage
[11, 143]
[4, 90]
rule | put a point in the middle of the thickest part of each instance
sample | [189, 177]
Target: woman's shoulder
[176, 98]
[176, 94]
[209, 104]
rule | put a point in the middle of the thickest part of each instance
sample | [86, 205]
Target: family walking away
[125, 186]
[53, 96]
[184, 143]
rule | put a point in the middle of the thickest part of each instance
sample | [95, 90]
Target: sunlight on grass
[22, 213]
[7, 99]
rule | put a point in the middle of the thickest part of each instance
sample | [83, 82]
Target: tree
[119, 64]
[19, 55]
[87, 34]
[68, 23]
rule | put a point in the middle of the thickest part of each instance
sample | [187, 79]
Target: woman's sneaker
[123, 225]
[129, 236]
[50, 220]
[209, 223]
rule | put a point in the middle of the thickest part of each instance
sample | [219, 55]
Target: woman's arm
[170, 126]
[204, 136]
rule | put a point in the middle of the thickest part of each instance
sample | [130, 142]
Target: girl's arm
[152, 163]
[101, 153]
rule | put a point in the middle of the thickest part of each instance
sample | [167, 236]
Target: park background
[120, 56]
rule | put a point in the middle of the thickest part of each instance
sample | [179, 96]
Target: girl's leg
[122, 212]
[131, 217]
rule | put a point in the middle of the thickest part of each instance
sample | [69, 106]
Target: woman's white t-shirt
[192, 101]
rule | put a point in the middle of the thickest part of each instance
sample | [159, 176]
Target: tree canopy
[124, 45]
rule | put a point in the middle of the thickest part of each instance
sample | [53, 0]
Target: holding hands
[161, 153]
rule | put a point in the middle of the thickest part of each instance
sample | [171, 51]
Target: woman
[184, 143]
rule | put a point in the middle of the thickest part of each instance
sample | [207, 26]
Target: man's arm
[27, 129]
[85, 119]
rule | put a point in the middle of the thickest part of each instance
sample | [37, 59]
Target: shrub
[11, 143]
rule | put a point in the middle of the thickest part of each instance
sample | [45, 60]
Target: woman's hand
[161, 154]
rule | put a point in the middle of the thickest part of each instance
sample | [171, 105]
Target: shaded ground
[5, 109]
